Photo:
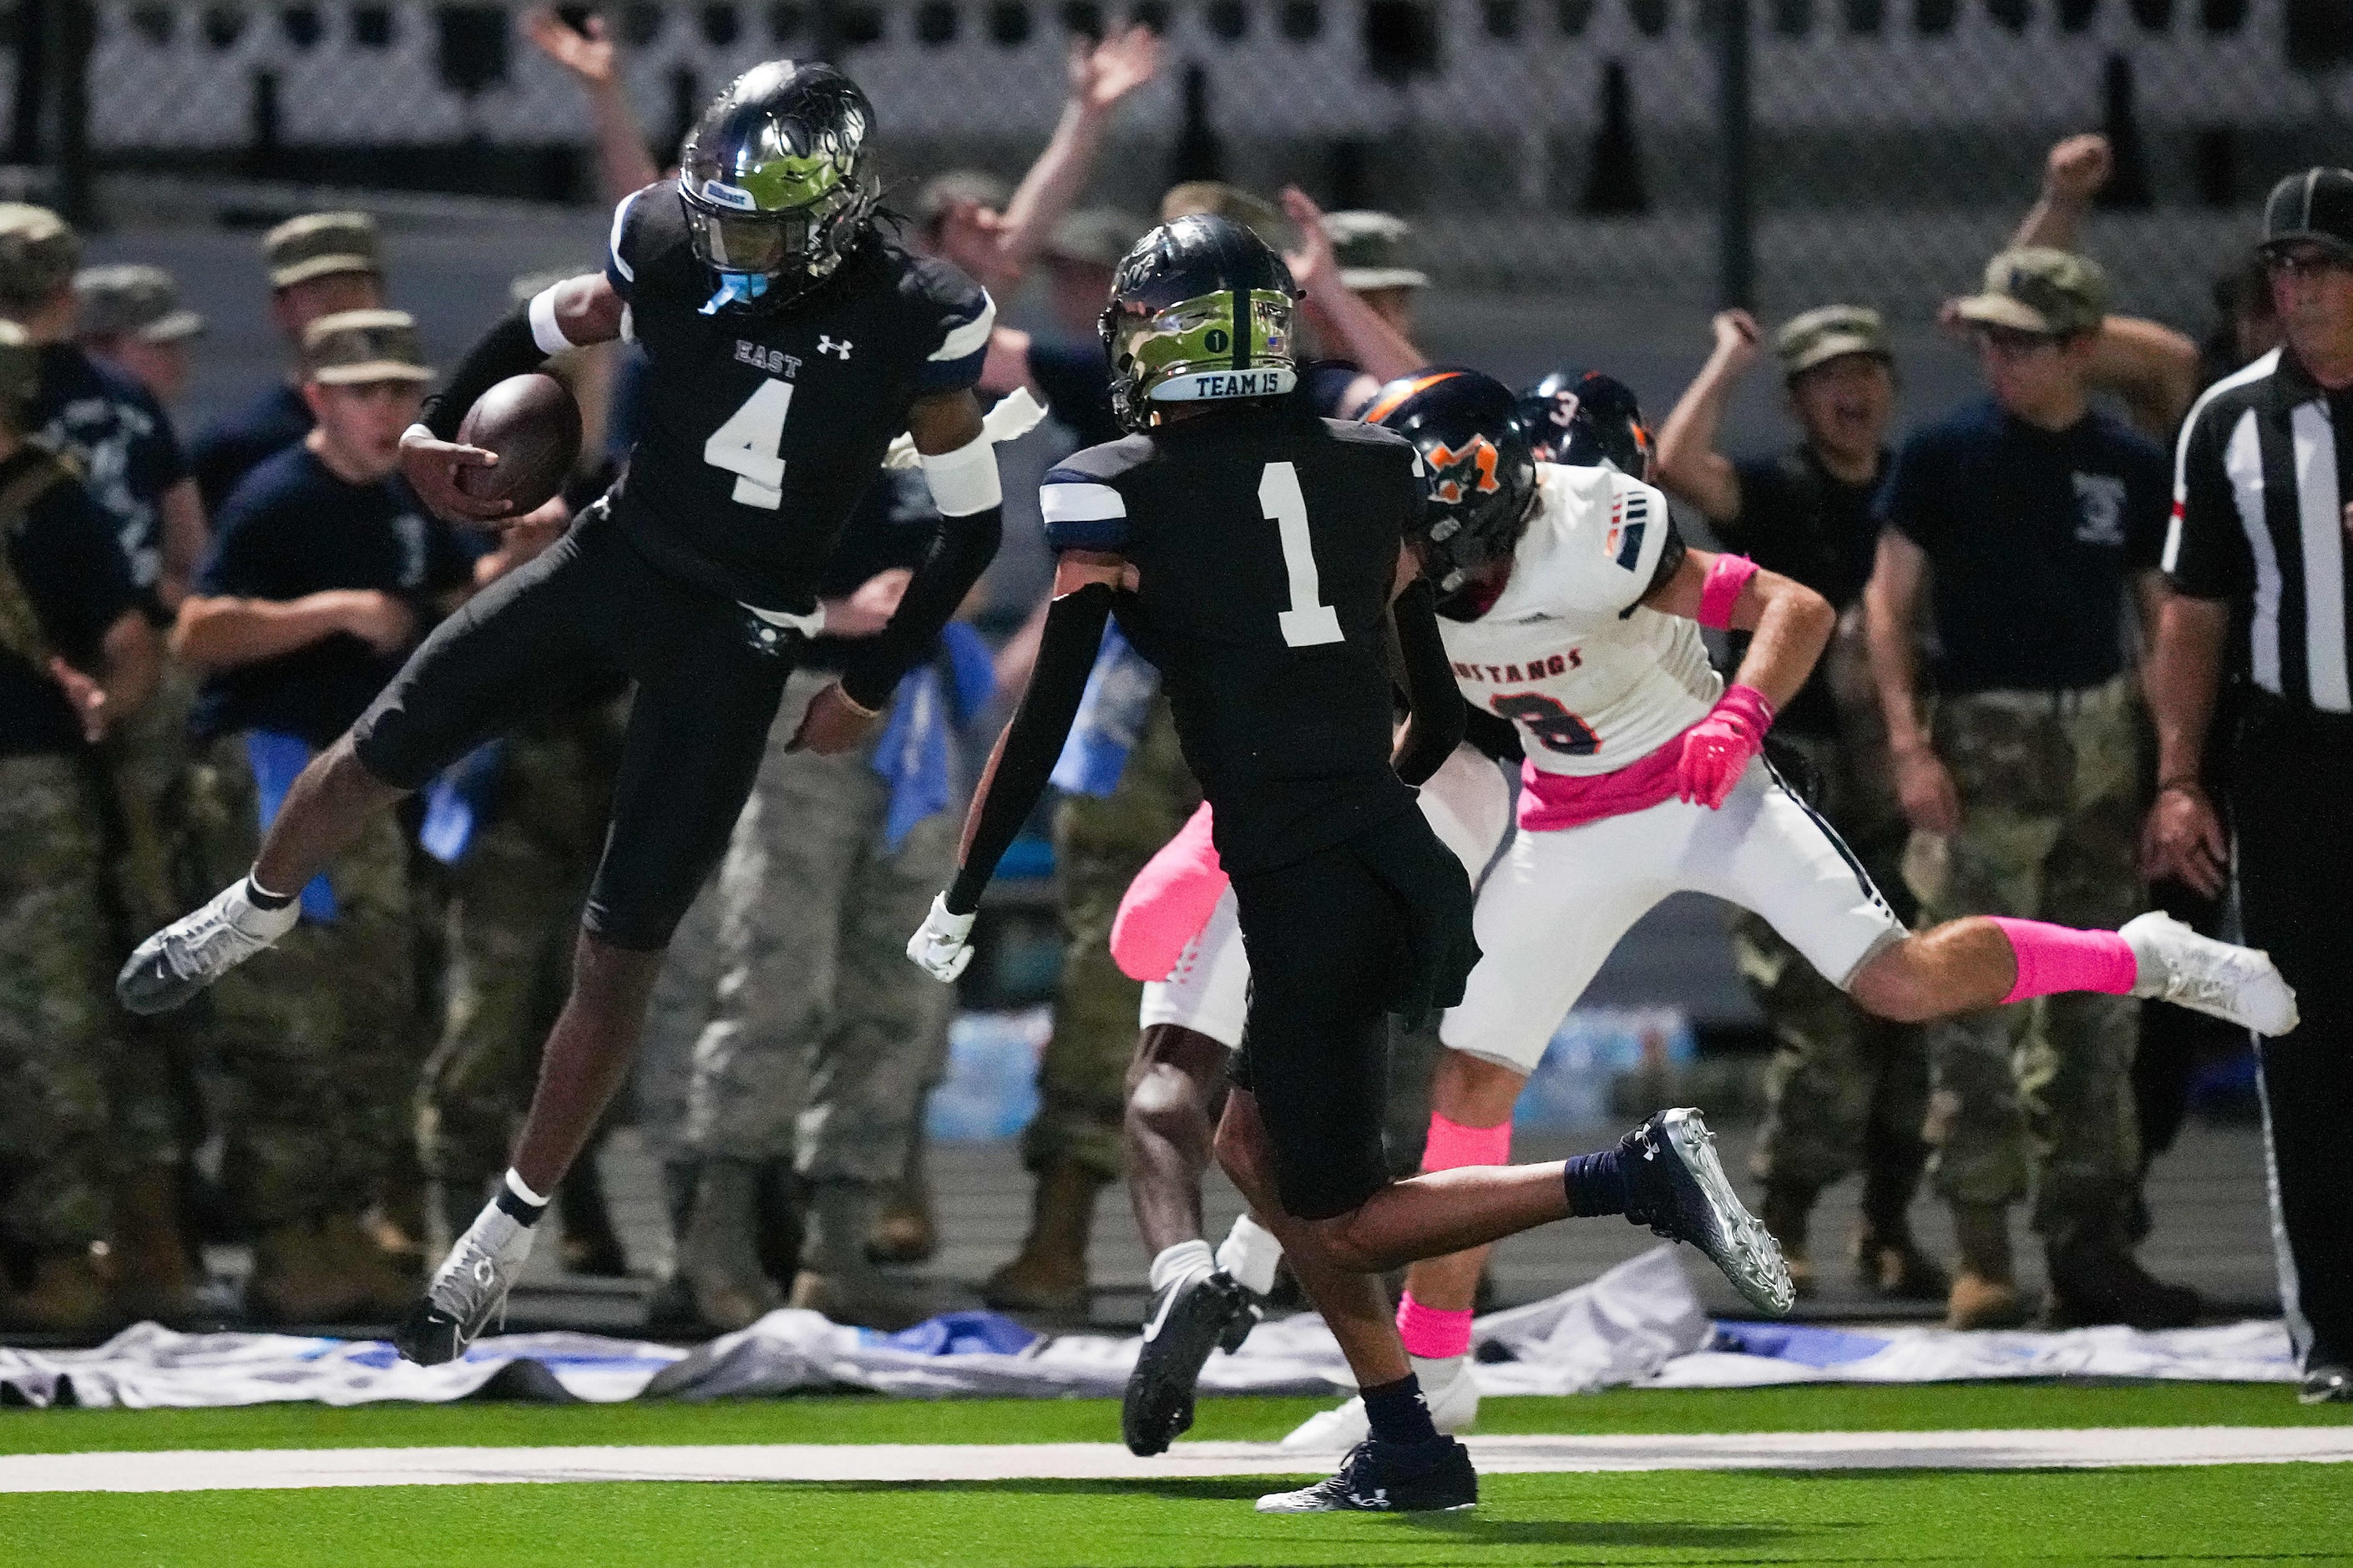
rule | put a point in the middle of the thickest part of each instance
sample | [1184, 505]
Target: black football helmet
[1201, 309]
[1584, 419]
[1481, 474]
[778, 179]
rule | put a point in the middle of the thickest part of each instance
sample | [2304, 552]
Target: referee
[2258, 552]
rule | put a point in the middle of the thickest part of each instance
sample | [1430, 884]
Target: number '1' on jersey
[1266, 546]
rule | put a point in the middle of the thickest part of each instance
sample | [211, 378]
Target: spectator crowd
[2005, 724]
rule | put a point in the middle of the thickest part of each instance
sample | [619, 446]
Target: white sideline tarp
[1638, 1324]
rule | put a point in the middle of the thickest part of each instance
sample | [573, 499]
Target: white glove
[938, 947]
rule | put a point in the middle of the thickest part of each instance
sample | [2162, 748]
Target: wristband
[854, 705]
[2181, 786]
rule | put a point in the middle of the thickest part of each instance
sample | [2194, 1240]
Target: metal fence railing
[1871, 148]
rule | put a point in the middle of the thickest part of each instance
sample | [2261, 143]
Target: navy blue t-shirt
[230, 449]
[2032, 537]
[64, 556]
[291, 529]
[115, 431]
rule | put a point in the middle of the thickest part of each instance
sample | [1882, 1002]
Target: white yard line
[266, 1469]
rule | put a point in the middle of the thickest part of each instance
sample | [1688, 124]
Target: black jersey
[1266, 546]
[762, 427]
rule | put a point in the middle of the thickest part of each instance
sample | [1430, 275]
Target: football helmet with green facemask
[778, 180]
[1201, 309]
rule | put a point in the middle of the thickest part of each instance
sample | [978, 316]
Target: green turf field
[857, 1420]
[2256, 1513]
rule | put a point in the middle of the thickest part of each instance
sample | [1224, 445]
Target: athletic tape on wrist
[1450, 1145]
[1727, 575]
[516, 1185]
[963, 482]
[544, 332]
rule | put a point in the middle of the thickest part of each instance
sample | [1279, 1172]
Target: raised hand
[1103, 73]
[588, 54]
[2077, 168]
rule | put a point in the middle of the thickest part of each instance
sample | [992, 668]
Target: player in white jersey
[1570, 607]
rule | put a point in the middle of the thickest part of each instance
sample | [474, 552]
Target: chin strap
[736, 288]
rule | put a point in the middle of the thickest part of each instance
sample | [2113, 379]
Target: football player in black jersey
[788, 344]
[1257, 555]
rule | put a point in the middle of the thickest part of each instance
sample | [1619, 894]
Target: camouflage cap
[354, 346]
[132, 301]
[320, 245]
[1374, 250]
[2035, 288]
[1099, 236]
[942, 192]
[1829, 333]
[38, 253]
[20, 368]
[1257, 214]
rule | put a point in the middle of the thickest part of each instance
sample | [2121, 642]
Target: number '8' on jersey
[1266, 547]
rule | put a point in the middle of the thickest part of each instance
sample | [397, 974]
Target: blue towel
[734, 286]
[913, 755]
[1112, 712]
[458, 800]
[277, 760]
[959, 1334]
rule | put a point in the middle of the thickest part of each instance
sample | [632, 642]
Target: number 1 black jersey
[763, 428]
[1266, 546]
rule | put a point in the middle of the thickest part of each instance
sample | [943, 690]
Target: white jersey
[1594, 680]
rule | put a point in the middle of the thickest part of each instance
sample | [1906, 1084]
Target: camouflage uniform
[822, 1035]
[2050, 808]
[1099, 847]
[318, 1037]
[58, 1042]
[1844, 1089]
[151, 877]
[509, 928]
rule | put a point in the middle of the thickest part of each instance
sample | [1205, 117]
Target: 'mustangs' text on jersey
[762, 427]
[1266, 546]
[1568, 652]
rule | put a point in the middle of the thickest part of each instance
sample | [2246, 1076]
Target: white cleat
[2238, 984]
[1454, 1407]
[468, 1290]
[196, 949]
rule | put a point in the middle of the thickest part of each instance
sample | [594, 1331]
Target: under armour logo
[826, 345]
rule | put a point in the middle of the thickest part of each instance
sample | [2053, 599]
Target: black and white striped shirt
[2259, 518]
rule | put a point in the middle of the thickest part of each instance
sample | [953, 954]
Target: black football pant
[1379, 922]
[2292, 799]
[709, 678]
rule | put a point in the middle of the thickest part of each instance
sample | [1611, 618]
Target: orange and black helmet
[1481, 474]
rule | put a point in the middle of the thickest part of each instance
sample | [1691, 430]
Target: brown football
[534, 426]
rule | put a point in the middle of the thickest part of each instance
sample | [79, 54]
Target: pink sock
[1450, 1145]
[1430, 1333]
[1169, 904]
[2051, 959]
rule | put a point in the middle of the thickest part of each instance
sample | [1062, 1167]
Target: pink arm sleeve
[1169, 904]
[1727, 575]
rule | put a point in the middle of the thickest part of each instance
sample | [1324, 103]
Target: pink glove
[1716, 750]
[1169, 904]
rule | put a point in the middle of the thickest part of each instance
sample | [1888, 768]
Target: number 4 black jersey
[1266, 546]
[762, 427]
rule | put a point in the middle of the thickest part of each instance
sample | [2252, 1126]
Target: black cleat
[1388, 1478]
[2326, 1385]
[1190, 1320]
[1676, 1186]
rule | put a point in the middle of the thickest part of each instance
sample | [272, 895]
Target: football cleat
[2238, 984]
[1388, 1478]
[1675, 1184]
[197, 949]
[1454, 1407]
[468, 1290]
[1191, 1318]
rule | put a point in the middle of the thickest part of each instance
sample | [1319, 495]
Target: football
[534, 426]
